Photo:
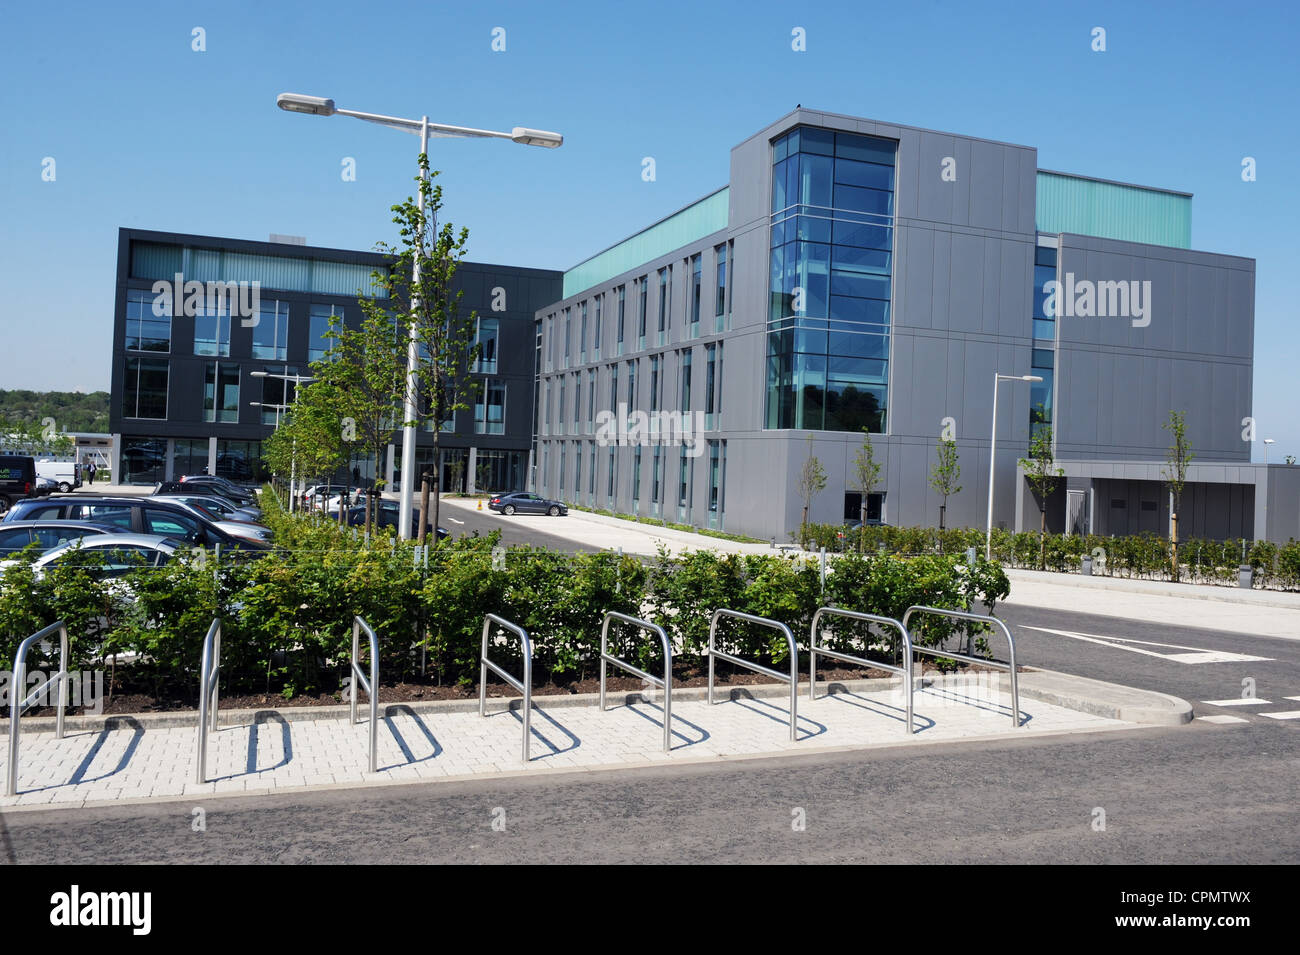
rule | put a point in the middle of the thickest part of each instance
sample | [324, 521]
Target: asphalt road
[518, 529]
[1198, 794]
[1158, 656]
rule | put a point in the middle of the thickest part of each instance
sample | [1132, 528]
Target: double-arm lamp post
[319, 106]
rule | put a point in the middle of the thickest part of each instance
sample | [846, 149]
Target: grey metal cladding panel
[966, 276]
[940, 297]
[907, 184]
[1027, 209]
[938, 200]
[1082, 401]
[749, 197]
[912, 288]
[924, 360]
[986, 185]
[1015, 316]
[990, 317]
[959, 400]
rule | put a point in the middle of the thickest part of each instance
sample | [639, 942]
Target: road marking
[1196, 655]
[1223, 718]
[1285, 715]
[1291, 697]
[1238, 701]
[454, 521]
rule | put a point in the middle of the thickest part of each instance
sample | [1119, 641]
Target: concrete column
[115, 458]
[169, 469]
[471, 484]
[212, 454]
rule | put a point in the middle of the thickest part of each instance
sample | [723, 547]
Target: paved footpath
[130, 760]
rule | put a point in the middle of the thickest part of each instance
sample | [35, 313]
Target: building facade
[859, 275]
[203, 390]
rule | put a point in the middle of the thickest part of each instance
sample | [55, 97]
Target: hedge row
[1146, 555]
[287, 617]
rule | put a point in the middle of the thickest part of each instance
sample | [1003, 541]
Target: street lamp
[993, 441]
[321, 106]
[1267, 442]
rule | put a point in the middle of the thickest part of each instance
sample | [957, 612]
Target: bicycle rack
[209, 676]
[997, 665]
[905, 670]
[526, 687]
[371, 686]
[16, 685]
[665, 684]
[792, 678]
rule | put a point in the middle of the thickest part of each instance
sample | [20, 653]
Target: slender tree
[1175, 476]
[309, 441]
[812, 480]
[866, 472]
[944, 475]
[1044, 477]
[446, 339]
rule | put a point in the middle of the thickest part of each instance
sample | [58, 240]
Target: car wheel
[508, 510]
[554, 511]
[64, 487]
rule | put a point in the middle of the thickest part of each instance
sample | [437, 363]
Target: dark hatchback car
[17, 479]
[219, 485]
[526, 502]
[134, 515]
[388, 516]
[46, 534]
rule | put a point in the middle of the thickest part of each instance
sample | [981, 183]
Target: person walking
[92, 470]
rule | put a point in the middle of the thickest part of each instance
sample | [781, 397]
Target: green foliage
[24, 410]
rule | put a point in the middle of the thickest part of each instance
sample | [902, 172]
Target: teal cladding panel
[1109, 210]
[683, 227]
[154, 260]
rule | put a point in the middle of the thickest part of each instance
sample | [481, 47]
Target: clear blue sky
[145, 132]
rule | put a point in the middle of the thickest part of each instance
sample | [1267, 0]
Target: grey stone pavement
[148, 759]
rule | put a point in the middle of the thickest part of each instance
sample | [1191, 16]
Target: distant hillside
[71, 411]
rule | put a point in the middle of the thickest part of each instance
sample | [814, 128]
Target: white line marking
[454, 521]
[1196, 655]
[1284, 715]
[1291, 697]
[1238, 701]
[1223, 718]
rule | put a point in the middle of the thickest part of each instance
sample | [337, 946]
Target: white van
[66, 474]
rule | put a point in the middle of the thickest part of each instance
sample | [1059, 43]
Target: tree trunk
[1042, 537]
[942, 508]
[1173, 534]
[435, 486]
[424, 508]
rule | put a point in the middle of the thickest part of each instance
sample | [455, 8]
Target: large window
[485, 341]
[212, 331]
[622, 309]
[685, 405]
[277, 393]
[591, 399]
[665, 300]
[640, 311]
[720, 305]
[831, 281]
[595, 334]
[696, 273]
[631, 384]
[1040, 392]
[568, 338]
[1044, 272]
[582, 334]
[710, 382]
[490, 408]
[144, 391]
[320, 336]
[636, 476]
[271, 333]
[146, 330]
[221, 392]
[654, 382]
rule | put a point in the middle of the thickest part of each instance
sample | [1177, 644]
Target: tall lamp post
[297, 382]
[993, 442]
[1268, 443]
[320, 106]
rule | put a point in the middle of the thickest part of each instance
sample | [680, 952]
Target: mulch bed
[129, 700]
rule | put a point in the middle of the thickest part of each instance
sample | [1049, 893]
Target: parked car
[17, 478]
[526, 502]
[47, 534]
[318, 496]
[219, 485]
[242, 529]
[388, 516]
[140, 515]
[111, 555]
[224, 508]
[66, 474]
[44, 487]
